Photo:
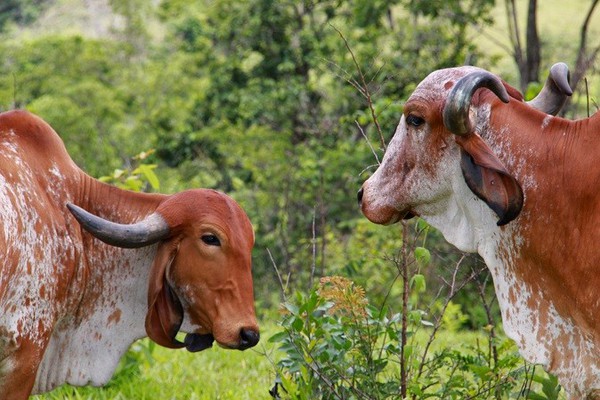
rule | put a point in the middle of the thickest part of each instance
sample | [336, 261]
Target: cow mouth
[401, 216]
[195, 342]
[408, 215]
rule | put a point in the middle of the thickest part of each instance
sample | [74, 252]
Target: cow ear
[165, 312]
[512, 92]
[487, 177]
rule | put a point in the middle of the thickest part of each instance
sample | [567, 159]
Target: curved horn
[554, 94]
[456, 110]
[143, 233]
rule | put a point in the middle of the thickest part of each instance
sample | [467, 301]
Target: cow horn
[554, 94]
[143, 233]
[456, 110]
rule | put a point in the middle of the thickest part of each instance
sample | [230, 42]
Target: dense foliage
[268, 101]
[338, 346]
[20, 11]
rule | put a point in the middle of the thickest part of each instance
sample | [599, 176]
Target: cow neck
[555, 161]
[110, 288]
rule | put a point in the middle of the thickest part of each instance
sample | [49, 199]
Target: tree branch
[365, 88]
[584, 59]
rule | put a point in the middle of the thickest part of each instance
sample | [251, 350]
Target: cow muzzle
[248, 337]
[380, 214]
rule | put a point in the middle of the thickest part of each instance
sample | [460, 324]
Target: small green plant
[137, 177]
[336, 345]
[549, 386]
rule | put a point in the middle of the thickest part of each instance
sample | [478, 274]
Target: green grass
[213, 374]
[216, 374]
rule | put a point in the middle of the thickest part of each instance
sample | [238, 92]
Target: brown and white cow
[521, 188]
[70, 304]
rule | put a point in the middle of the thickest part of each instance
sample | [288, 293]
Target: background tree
[272, 102]
[21, 11]
[527, 54]
[586, 54]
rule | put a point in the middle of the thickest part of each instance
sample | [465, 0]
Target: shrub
[336, 345]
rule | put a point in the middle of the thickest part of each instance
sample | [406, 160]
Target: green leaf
[147, 171]
[417, 282]
[298, 324]
[118, 173]
[408, 351]
[278, 337]
[292, 308]
[423, 256]
[132, 183]
[422, 225]
[535, 396]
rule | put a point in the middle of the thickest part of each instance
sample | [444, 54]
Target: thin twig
[526, 386]
[362, 132]
[281, 285]
[368, 167]
[314, 249]
[15, 104]
[488, 313]
[587, 96]
[376, 74]
[405, 300]
[483, 32]
[365, 87]
[348, 77]
[454, 289]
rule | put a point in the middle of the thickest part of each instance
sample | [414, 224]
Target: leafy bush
[336, 345]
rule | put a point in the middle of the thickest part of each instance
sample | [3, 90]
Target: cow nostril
[248, 338]
[359, 197]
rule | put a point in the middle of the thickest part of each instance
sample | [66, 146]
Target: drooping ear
[165, 312]
[487, 177]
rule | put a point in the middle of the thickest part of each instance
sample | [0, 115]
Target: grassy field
[217, 374]
[214, 374]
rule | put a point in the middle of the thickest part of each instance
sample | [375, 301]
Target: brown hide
[71, 305]
[546, 262]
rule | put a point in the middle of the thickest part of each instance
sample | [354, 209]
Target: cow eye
[211, 240]
[414, 120]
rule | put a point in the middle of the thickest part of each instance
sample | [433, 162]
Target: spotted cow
[87, 268]
[519, 186]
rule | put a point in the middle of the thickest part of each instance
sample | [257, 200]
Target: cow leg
[20, 359]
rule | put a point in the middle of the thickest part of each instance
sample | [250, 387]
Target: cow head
[436, 150]
[201, 270]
